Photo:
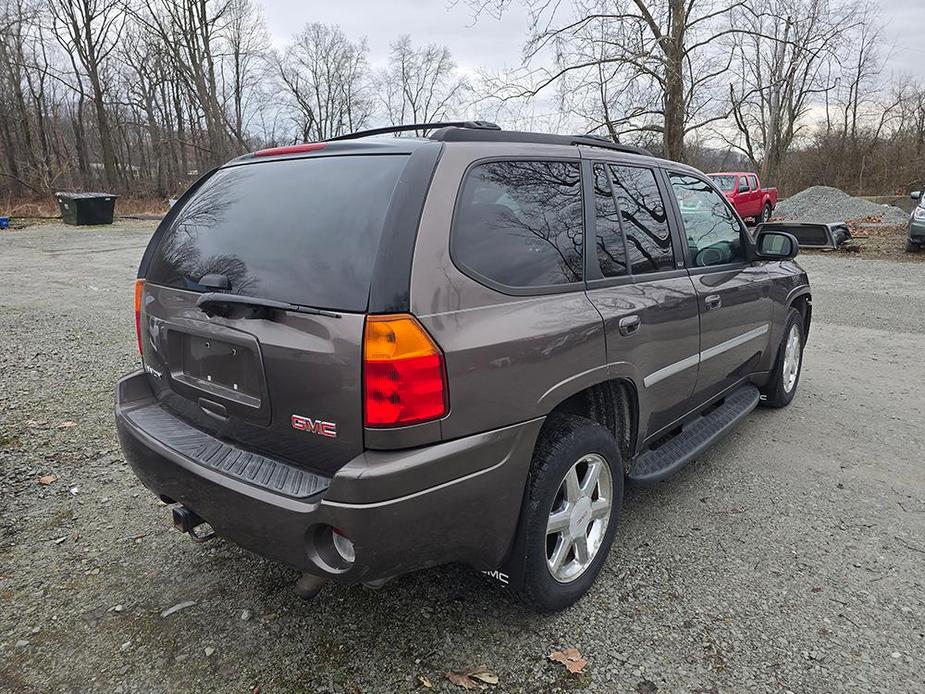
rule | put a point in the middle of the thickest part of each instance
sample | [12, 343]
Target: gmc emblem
[315, 426]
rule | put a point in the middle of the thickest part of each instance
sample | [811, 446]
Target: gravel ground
[788, 558]
[823, 204]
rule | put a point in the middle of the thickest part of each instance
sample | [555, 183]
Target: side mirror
[916, 195]
[776, 245]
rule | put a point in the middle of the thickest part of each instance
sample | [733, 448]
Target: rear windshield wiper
[210, 301]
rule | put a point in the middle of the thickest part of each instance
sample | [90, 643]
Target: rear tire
[785, 378]
[912, 247]
[568, 522]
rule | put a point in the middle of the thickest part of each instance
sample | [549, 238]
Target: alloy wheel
[792, 357]
[579, 517]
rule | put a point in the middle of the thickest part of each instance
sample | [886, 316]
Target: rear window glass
[305, 231]
[520, 223]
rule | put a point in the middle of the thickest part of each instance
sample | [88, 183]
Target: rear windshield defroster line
[302, 231]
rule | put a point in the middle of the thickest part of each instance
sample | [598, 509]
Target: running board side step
[695, 437]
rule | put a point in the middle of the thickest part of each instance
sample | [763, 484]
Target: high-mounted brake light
[139, 290]
[290, 149]
[404, 379]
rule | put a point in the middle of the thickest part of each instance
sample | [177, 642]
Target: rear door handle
[629, 325]
[713, 301]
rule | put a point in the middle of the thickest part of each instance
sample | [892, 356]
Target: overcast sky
[495, 44]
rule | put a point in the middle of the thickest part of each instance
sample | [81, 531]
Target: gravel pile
[823, 204]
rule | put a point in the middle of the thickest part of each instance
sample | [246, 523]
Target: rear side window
[519, 223]
[305, 231]
[645, 224]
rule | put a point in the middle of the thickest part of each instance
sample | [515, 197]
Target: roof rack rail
[468, 124]
[597, 138]
[601, 141]
[450, 133]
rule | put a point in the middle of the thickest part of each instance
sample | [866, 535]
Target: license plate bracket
[222, 364]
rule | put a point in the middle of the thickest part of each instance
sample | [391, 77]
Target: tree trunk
[80, 140]
[106, 144]
[674, 100]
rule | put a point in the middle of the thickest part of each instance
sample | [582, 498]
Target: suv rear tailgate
[246, 379]
[300, 232]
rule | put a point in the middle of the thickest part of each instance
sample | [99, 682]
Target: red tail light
[404, 380]
[139, 290]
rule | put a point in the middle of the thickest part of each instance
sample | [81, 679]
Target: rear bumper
[390, 503]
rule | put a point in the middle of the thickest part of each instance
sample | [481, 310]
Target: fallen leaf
[67, 425]
[424, 682]
[486, 677]
[461, 680]
[570, 658]
[33, 423]
[47, 479]
[473, 678]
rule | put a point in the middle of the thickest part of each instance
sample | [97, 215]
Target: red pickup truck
[744, 191]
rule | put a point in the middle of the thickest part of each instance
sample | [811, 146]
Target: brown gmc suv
[366, 356]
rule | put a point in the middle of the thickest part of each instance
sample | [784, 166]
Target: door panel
[735, 315]
[662, 350]
[649, 308]
[508, 362]
[733, 294]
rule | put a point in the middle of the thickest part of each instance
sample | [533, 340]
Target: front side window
[611, 251]
[520, 223]
[714, 235]
[645, 223]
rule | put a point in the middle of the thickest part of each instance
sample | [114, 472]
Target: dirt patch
[874, 240]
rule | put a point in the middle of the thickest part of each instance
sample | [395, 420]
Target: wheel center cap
[580, 517]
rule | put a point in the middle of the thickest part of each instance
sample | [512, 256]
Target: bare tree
[190, 30]
[325, 76]
[781, 67]
[859, 75]
[142, 95]
[244, 66]
[421, 85]
[662, 52]
[89, 31]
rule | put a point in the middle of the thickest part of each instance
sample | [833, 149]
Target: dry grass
[47, 208]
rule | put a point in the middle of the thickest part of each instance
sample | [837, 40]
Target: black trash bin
[86, 208]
